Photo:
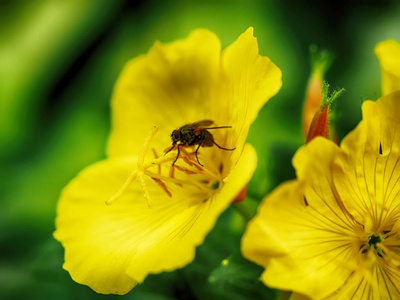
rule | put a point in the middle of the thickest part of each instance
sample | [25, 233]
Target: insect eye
[176, 134]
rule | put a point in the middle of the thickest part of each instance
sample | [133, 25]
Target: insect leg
[173, 146]
[196, 154]
[177, 155]
[221, 147]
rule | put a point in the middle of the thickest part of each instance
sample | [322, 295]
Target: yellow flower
[158, 214]
[334, 232]
[388, 53]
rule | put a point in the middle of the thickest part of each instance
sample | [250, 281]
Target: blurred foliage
[58, 63]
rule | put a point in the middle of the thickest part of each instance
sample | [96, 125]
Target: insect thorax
[189, 138]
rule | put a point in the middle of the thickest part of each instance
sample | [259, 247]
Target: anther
[163, 186]
[187, 171]
[172, 172]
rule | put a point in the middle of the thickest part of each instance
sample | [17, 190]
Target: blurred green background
[58, 64]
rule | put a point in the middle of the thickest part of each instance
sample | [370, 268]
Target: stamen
[162, 185]
[172, 172]
[189, 158]
[156, 156]
[164, 178]
[187, 171]
[145, 147]
[198, 167]
[123, 189]
[135, 173]
[172, 175]
[185, 152]
[160, 160]
[186, 160]
[144, 187]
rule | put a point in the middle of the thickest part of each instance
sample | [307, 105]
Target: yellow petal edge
[388, 54]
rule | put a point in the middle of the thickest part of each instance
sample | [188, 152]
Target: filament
[123, 189]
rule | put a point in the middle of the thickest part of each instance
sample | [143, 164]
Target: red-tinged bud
[241, 196]
[320, 124]
[320, 62]
[312, 102]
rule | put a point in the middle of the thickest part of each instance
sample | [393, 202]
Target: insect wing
[203, 123]
[200, 125]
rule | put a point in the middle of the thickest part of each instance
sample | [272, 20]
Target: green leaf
[237, 278]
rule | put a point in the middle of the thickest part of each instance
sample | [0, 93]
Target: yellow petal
[381, 282]
[173, 85]
[249, 81]
[84, 223]
[366, 180]
[388, 54]
[304, 239]
[112, 247]
[305, 252]
[254, 245]
[313, 164]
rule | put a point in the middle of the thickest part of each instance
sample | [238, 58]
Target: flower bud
[320, 62]
[320, 124]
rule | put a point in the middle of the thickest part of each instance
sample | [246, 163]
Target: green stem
[243, 211]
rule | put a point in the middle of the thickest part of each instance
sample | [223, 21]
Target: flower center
[189, 175]
[374, 242]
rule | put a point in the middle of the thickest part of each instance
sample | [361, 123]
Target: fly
[195, 134]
